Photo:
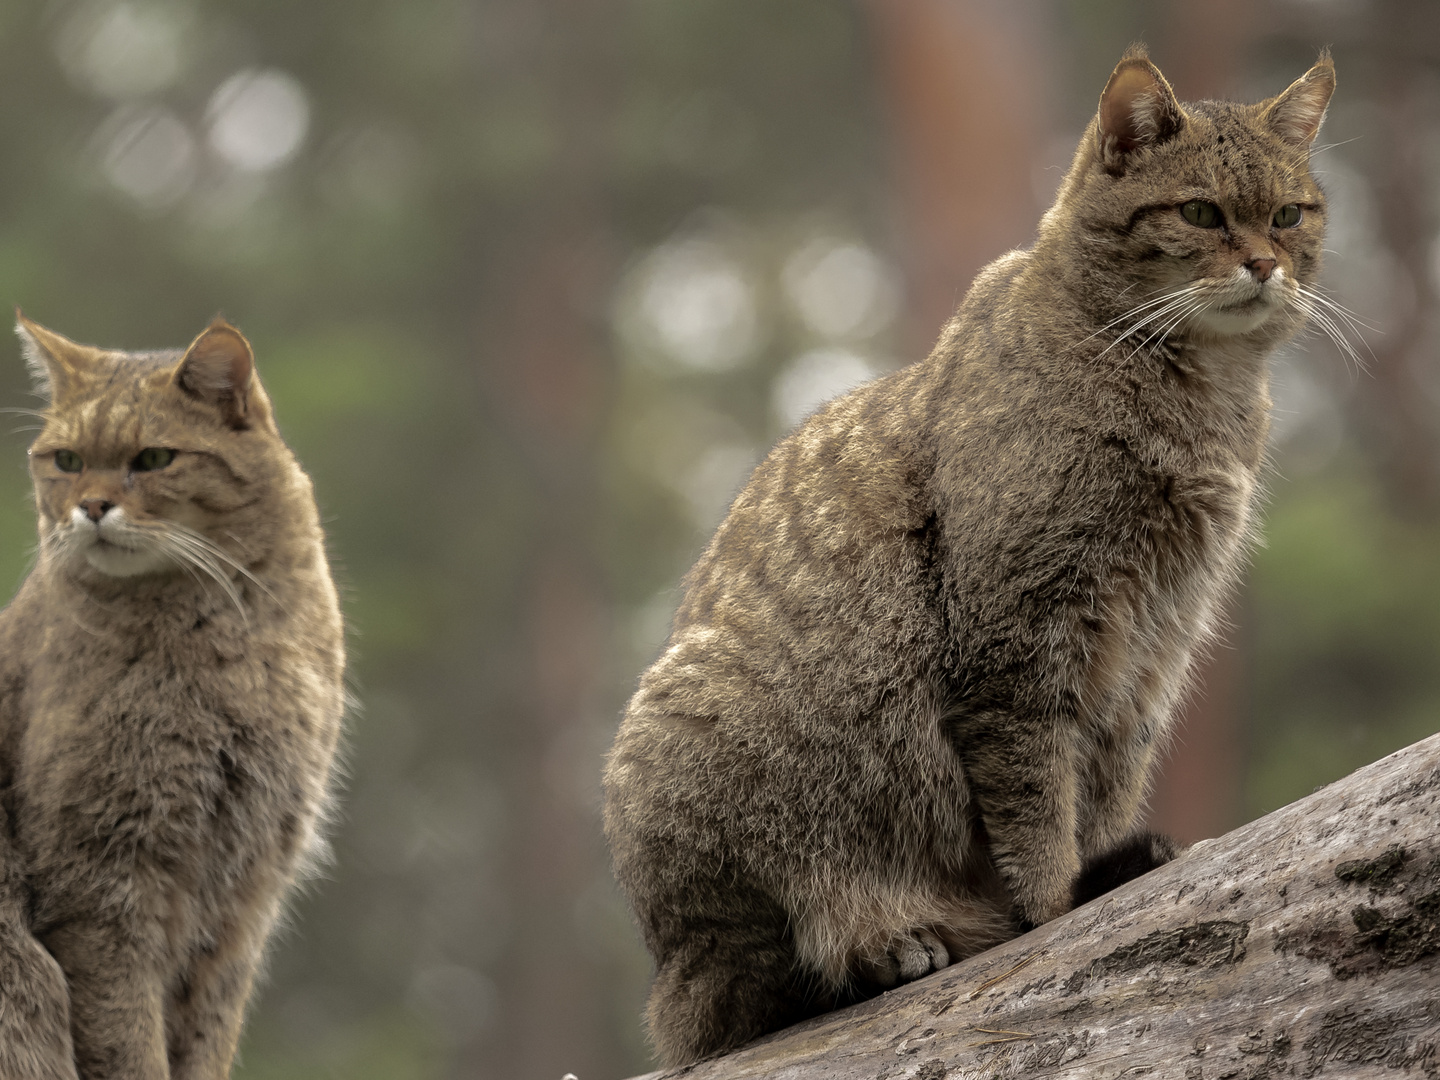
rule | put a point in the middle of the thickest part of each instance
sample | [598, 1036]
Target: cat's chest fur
[161, 732]
[1187, 456]
[167, 684]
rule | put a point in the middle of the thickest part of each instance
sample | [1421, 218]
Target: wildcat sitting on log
[918, 679]
[170, 700]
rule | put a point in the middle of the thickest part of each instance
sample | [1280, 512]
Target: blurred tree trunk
[1400, 417]
[960, 81]
[552, 372]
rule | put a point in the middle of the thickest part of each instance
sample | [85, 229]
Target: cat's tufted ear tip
[1137, 109]
[1322, 73]
[55, 362]
[217, 368]
[1296, 115]
[1138, 50]
[25, 325]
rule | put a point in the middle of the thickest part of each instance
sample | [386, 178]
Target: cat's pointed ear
[1296, 115]
[218, 368]
[1137, 110]
[56, 363]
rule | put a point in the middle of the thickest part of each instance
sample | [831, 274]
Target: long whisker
[1159, 300]
[1333, 319]
[186, 564]
[1165, 298]
[1315, 293]
[1159, 335]
[1173, 302]
[1318, 293]
[1331, 146]
[202, 546]
[195, 559]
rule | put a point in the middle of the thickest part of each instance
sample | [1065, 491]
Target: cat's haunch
[920, 674]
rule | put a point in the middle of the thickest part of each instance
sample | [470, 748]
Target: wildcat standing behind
[172, 677]
[920, 673]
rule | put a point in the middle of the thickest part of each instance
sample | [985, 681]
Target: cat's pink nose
[95, 508]
[1261, 268]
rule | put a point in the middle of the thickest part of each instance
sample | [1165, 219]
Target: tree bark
[1306, 943]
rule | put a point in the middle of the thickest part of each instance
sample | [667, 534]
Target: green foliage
[393, 1047]
[1345, 610]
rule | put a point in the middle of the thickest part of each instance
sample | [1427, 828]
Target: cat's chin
[121, 562]
[1233, 321]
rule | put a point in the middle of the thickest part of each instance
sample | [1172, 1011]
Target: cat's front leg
[34, 1001]
[34, 1005]
[1134, 856]
[205, 1019]
[1023, 777]
[1118, 778]
[116, 999]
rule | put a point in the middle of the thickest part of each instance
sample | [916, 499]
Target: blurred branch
[1308, 938]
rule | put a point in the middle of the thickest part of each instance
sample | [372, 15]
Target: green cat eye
[151, 458]
[1204, 215]
[68, 461]
[1287, 217]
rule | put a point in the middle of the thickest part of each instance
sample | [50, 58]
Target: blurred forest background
[534, 284]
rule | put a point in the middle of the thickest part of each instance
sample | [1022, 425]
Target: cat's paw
[908, 957]
[1135, 855]
[1032, 907]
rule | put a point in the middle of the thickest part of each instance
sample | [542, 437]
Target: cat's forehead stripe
[1240, 164]
[112, 419]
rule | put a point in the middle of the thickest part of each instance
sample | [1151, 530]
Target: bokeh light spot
[148, 153]
[258, 119]
[814, 378]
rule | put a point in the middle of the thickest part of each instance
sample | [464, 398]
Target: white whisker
[193, 561]
[1331, 146]
[1177, 301]
[1160, 335]
[1159, 300]
[1333, 319]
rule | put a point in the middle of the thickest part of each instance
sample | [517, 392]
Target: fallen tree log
[1306, 943]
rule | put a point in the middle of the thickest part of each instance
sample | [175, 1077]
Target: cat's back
[826, 549]
[820, 591]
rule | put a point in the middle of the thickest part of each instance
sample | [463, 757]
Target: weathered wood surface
[1306, 943]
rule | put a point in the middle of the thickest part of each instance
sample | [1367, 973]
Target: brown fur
[921, 672]
[172, 672]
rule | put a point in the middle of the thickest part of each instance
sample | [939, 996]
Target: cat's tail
[1137, 854]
